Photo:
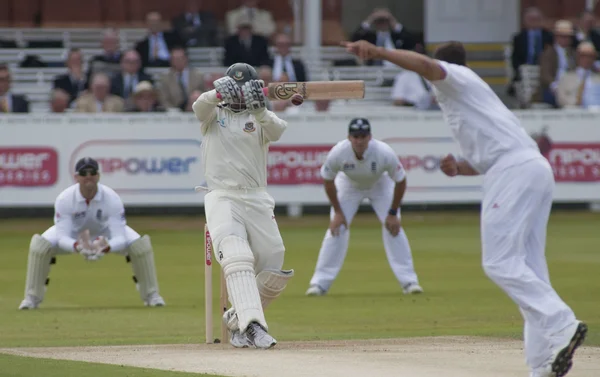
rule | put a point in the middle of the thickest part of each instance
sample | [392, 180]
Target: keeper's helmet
[242, 73]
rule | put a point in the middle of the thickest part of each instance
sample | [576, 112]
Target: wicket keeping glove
[229, 90]
[254, 96]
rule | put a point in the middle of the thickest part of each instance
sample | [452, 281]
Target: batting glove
[228, 89]
[254, 96]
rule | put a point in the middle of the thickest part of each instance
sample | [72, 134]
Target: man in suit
[123, 84]
[282, 61]
[9, 102]
[382, 29]
[176, 85]
[73, 82]
[554, 61]
[246, 47]
[154, 49]
[99, 99]
[587, 31]
[261, 20]
[580, 88]
[108, 61]
[528, 45]
[196, 28]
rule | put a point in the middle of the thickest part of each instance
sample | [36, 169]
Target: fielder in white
[237, 131]
[356, 168]
[89, 219]
[518, 187]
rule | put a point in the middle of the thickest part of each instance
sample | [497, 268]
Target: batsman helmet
[241, 73]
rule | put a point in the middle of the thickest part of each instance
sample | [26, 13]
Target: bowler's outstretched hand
[363, 49]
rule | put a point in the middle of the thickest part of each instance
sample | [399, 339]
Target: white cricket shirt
[104, 215]
[378, 160]
[485, 129]
[235, 145]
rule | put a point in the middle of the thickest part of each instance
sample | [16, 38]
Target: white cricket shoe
[236, 338]
[259, 337]
[563, 345]
[315, 290]
[412, 289]
[30, 302]
[154, 300]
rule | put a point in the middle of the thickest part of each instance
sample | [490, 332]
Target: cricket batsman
[237, 130]
[89, 219]
[357, 168]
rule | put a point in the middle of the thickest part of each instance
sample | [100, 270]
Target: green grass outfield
[95, 303]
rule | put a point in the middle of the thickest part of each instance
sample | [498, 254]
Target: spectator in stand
[145, 99]
[181, 79]
[382, 29]
[9, 102]
[108, 61]
[555, 60]
[154, 49]
[99, 99]
[586, 30]
[245, 46]
[283, 62]
[580, 88]
[194, 27]
[59, 101]
[412, 90]
[73, 82]
[529, 43]
[261, 20]
[124, 83]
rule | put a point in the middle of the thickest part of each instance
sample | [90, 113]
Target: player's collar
[96, 197]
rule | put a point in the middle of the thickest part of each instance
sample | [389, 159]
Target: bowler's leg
[397, 249]
[334, 249]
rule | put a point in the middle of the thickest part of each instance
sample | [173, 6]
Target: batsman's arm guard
[205, 109]
[271, 283]
[272, 126]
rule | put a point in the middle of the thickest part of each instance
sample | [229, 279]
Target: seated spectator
[131, 74]
[282, 61]
[59, 101]
[145, 99]
[191, 99]
[196, 28]
[99, 99]
[580, 88]
[586, 30]
[410, 89]
[73, 82]
[154, 49]
[382, 29]
[108, 61]
[528, 45]
[181, 79]
[555, 60]
[245, 46]
[261, 20]
[9, 102]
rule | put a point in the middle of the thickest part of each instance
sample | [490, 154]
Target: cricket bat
[315, 90]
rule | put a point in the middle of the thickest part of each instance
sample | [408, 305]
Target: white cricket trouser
[514, 215]
[333, 249]
[249, 215]
[51, 236]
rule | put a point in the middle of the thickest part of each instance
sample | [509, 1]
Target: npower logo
[145, 166]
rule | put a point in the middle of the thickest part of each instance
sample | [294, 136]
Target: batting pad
[38, 266]
[271, 283]
[238, 269]
[142, 263]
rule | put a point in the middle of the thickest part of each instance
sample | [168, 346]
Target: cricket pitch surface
[414, 357]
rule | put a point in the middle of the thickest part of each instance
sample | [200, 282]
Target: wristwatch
[393, 212]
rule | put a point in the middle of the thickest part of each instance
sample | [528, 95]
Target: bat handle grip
[265, 91]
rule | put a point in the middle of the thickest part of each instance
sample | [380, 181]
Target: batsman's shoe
[564, 344]
[545, 371]
[315, 290]
[236, 338]
[29, 302]
[412, 289]
[259, 337]
[154, 299]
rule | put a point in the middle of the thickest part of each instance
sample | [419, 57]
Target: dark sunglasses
[86, 172]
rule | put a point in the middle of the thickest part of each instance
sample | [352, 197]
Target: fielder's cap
[86, 162]
[359, 126]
